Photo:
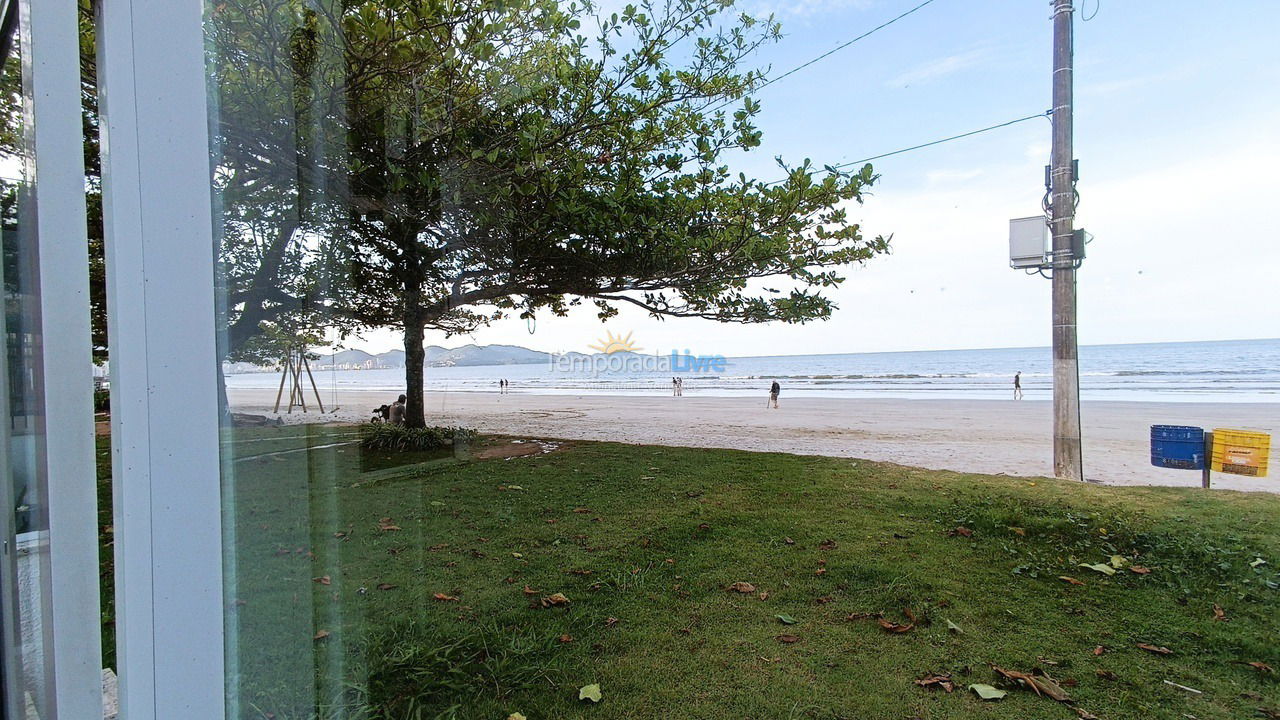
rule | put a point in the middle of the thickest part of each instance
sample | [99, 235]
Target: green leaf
[954, 627]
[590, 692]
[1100, 567]
[988, 692]
[1118, 561]
[786, 619]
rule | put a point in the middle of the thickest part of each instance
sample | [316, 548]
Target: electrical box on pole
[1028, 242]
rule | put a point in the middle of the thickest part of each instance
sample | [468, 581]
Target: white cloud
[939, 68]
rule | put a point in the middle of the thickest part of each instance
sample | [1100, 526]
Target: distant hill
[470, 355]
[436, 356]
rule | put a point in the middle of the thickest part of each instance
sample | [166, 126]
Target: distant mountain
[436, 356]
[391, 358]
[471, 355]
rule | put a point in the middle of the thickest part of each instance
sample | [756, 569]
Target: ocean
[1220, 371]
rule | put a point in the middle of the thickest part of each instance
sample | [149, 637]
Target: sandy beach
[984, 436]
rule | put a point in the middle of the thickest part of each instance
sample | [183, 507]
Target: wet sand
[982, 436]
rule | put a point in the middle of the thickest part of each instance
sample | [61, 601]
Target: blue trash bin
[1177, 446]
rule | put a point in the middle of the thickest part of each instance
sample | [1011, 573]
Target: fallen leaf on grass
[820, 571]
[786, 619]
[788, 541]
[386, 586]
[320, 635]
[1100, 567]
[1084, 714]
[764, 594]
[1073, 581]
[530, 591]
[962, 531]
[954, 628]
[827, 545]
[610, 622]
[1261, 667]
[590, 692]
[894, 627]
[987, 692]
[1020, 532]
[1270, 713]
[516, 716]
[554, 600]
[1159, 650]
[1106, 675]
[938, 681]
[1098, 651]
[442, 597]
[788, 639]
[1118, 561]
[1139, 570]
[742, 587]
[1218, 613]
[386, 525]
[1040, 684]
[566, 638]
[322, 580]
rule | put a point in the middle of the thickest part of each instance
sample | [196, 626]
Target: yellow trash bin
[1242, 452]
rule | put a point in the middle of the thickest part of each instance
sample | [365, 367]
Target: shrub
[398, 438]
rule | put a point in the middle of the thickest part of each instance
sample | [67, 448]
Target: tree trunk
[414, 375]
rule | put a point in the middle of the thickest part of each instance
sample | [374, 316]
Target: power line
[1045, 114]
[830, 52]
[842, 46]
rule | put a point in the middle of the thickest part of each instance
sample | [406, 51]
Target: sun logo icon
[610, 344]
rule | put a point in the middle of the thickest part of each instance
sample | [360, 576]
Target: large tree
[506, 164]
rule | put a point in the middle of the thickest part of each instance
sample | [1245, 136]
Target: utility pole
[1067, 460]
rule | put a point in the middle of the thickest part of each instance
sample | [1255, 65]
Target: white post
[51, 64]
[165, 443]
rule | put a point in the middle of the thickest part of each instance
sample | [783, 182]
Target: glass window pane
[27, 641]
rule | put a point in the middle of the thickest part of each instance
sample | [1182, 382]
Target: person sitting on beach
[774, 389]
[396, 416]
[1017, 386]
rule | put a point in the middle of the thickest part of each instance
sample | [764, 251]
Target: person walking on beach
[675, 386]
[1017, 385]
[774, 389]
[396, 415]
[679, 387]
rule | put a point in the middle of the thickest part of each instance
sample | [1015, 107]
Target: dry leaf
[820, 571]
[1019, 531]
[742, 587]
[939, 681]
[1040, 684]
[1099, 650]
[788, 639]
[827, 545]
[1106, 675]
[386, 586]
[320, 635]
[894, 627]
[1261, 667]
[530, 591]
[1139, 569]
[1071, 580]
[566, 638]
[764, 594]
[611, 622]
[445, 598]
[1218, 613]
[962, 531]
[1155, 649]
[388, 526]
[322, 580]
[554, 600]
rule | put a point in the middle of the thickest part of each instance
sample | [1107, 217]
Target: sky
[1175, 131]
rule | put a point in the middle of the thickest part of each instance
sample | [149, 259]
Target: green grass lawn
[374, 591]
